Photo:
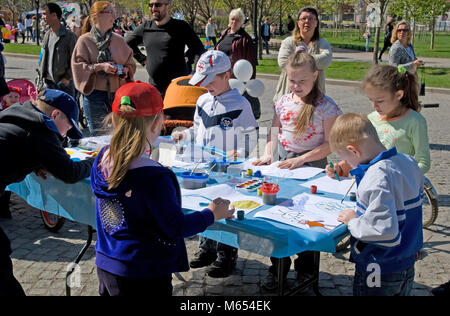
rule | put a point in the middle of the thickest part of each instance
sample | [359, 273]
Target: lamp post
[255, 27]
[37, 22]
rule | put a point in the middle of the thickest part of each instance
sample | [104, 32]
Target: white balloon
[255, 88]
[243, 70]
[237, 84]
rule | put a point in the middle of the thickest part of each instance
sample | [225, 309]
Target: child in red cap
[140, 224]
[12, 97]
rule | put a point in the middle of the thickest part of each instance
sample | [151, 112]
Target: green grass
[353, 39]
[434, 77]
[22, 48]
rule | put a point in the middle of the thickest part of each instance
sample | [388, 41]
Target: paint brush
[348, 191]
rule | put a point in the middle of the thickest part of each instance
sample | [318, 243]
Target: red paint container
[314, 189]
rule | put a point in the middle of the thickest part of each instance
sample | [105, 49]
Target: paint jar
[240, 215]
[314, 189]
[219, 165]
[352, 196]
[196, 180]
[269, 193]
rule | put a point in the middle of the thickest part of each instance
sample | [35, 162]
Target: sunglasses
[156, 5]
[403, 30]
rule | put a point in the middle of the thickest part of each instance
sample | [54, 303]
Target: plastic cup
[314, 189]
[269, 193]
[195, 181]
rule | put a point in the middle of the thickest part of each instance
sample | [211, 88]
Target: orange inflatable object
[179, 103]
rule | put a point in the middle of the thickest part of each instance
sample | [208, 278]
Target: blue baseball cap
[66, 104]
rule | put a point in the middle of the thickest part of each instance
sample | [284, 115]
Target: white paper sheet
[308, 211]
[272, 170]
[191, 199]
[327, 184]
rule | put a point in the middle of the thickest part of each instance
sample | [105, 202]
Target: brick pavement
[41, 258]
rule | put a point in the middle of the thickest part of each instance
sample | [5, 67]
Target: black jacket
[27, 144]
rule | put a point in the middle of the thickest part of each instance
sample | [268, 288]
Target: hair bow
[401, 69]
[300, 49]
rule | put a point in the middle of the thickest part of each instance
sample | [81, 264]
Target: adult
[29, 27]
[402, 51]
[101, 63]
[290, 24]
[165, 39]
[306, 36]
[387, 37]
[237, 44]
[57, 49]
[35, 127]
[265, 34]
[211, 31]
[20, 30]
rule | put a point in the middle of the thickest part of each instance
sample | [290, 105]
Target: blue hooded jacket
[140, 224]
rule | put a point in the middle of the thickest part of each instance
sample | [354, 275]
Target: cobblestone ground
[41, 258]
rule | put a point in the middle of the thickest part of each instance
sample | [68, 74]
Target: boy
[30, 140]
[386, 227]
[223, 119]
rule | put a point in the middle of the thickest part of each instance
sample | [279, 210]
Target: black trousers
[4, 203]
[9, 286]
[115, 285]
[303, 264]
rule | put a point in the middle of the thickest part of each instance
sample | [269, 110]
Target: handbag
[422, 83]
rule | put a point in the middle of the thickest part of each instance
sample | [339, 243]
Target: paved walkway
[41, 258]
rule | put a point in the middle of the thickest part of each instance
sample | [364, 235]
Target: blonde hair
[237, 13]
[351, 129]
[394, 31]
[297, 60]
[127, 143]
[96, 8]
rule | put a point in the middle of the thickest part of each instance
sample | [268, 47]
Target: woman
[237, 44]
[402, 52]
[305, 37]
[101, 63]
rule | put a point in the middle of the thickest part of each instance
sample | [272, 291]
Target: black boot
[4, 205]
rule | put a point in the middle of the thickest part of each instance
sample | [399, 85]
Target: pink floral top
[287, 110]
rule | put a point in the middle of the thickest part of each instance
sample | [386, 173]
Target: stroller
[179, 104]
[28, 91]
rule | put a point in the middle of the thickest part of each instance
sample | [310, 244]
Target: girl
[12, 97]
[140, 224]
[304, 119]
[393, 94]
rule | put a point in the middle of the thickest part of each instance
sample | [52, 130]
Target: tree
[382, 4]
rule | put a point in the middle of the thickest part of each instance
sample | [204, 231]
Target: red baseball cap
[142, 96]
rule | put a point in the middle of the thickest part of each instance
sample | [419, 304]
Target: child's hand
[41, 173]
[264, 160]
[291, 163]
[178, 136]
[346, 215]
[219, 207]
[331, 171]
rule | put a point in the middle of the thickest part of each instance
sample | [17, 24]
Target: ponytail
[393, 79]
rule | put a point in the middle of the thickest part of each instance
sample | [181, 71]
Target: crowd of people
[140, 225]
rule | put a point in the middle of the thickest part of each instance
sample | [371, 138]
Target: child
[223, 119]
[386, 227]
[393, 94]
[30, 140]
[304, 118]
[140, 224]
[12, 97]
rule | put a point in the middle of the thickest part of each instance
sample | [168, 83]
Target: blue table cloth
[265, 237]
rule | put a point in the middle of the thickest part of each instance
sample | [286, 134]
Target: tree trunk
[433, 22]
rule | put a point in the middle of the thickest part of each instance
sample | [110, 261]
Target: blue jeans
[392, 284]
[96, 107]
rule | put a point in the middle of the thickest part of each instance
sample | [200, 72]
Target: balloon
[3, 29]
[11, 37]
[236, 84]
[255, 88]
[243, 70]
[8, 26]
[5, 36]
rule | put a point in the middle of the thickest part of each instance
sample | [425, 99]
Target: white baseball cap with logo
[210, 64]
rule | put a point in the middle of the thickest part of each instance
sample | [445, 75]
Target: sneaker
[221, 269]
[202, 259]
[442, 290]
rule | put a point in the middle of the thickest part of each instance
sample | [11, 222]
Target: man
[30, 140]
[29, 28]
[265, 34]
[165, 39]
[57, 47]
